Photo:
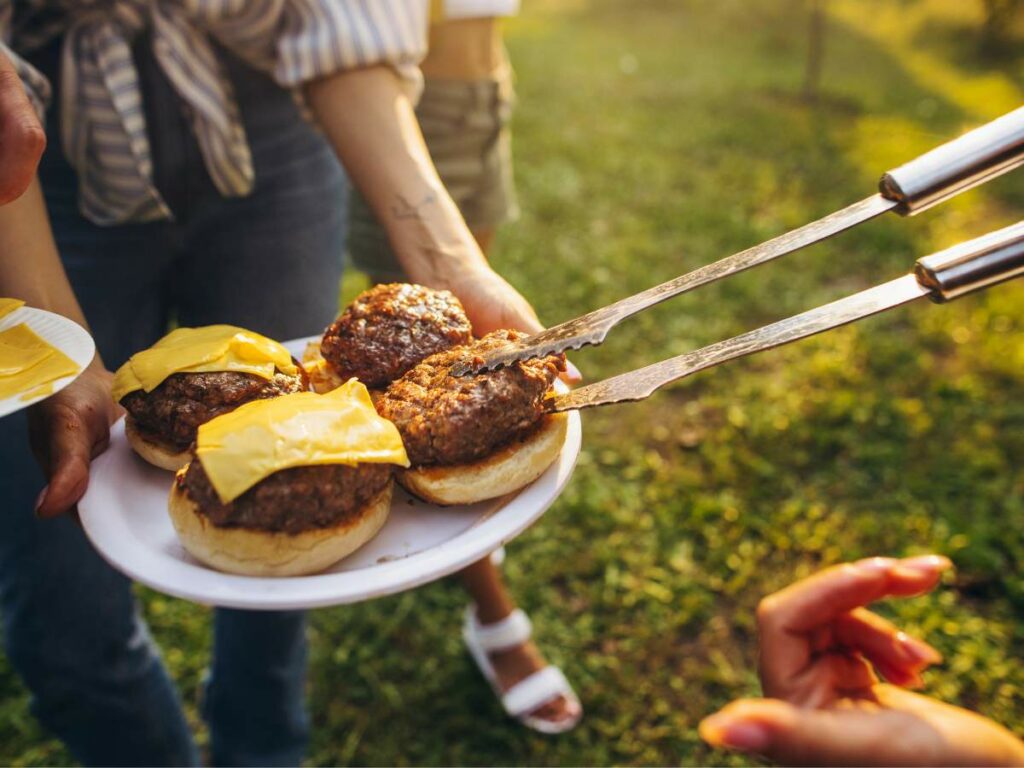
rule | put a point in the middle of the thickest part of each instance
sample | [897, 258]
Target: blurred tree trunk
[816, 50]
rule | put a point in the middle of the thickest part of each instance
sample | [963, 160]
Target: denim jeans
[270, 262]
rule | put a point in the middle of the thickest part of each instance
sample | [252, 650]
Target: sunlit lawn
[652, 137]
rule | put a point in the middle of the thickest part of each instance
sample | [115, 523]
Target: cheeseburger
[385, 332]
[287, 486]
[193, 375]
[474, 437]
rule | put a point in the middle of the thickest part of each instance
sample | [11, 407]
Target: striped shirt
[103, 127]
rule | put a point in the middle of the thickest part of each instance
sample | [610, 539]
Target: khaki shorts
[465, 125]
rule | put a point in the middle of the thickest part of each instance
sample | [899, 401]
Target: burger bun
[156, 452]
[506, 470]
[252, 552]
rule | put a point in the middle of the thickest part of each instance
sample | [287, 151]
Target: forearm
[371, 124]
[30, 268]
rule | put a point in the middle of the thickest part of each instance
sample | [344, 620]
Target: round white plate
[124, 513]
[66, 335]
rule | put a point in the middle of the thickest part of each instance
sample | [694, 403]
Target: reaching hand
[22, 138]
[67, 431]
[820, 652]
[491, 303]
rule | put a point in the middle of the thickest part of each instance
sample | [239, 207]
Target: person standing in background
[181, 182]
[464, 114]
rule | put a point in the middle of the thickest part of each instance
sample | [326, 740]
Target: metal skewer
[942, 276]
[942, 173]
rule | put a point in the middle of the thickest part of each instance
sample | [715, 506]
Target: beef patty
[445, 419]
[390, 328]
[291, 500]
[173, 411]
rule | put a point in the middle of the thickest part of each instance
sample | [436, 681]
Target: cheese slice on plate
[29, 364]
[202, 350]
[9, 305]
[247, 445]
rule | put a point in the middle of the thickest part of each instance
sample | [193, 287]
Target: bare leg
[486, 587]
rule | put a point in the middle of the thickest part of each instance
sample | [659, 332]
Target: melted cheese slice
[202, 350]
[28, 364]
[9, 305]
[302, 429]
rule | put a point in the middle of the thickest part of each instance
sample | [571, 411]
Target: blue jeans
[270, 262]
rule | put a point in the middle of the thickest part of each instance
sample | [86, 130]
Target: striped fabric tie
[103, 125]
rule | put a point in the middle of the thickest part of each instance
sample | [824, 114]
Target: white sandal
[529, 693]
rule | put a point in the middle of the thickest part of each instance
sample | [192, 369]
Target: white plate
[66, 335]
[124, 513]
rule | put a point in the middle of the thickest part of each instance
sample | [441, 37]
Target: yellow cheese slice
[302, 429]
[202, 350]
[28, 362]
[9, 305]
[43, 390]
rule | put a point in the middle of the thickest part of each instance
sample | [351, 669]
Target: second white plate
[64, 334]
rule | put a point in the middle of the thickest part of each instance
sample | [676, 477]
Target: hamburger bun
[157, 452]
[508, 469]
[252, 552]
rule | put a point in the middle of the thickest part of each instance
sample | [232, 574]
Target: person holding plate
[182, 182]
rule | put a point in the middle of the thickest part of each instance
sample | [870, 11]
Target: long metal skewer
[945, 275]
[972, 159]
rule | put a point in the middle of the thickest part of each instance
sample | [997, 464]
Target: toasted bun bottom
[504, 471]
[159, 454]
[272, 553]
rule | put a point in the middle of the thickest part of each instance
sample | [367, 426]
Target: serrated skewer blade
[592, 328]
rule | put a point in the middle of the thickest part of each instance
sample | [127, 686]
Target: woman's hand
[22, 138]
[821, 654]
[67, 431]
[491, 303]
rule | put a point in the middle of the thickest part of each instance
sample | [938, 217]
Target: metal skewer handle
[978, 263]
[974, 158]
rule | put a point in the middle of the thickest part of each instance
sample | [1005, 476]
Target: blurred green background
[653, 136]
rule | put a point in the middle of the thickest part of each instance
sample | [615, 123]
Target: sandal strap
[515, 629]
[537, 689]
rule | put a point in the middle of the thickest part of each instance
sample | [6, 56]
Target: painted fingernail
[927, 563]
[40, 499]
[724, 731]
[917, 650]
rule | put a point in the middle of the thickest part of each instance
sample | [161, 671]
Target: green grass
[652, 137]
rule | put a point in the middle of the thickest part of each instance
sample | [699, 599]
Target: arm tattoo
[403, 209]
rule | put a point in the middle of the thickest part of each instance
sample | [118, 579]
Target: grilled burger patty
[173, 411]
[445, 419]
[389, 329]
[290, 500]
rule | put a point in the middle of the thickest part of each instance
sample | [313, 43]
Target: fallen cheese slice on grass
[247, 445]
[202, 350]
[29, 364]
